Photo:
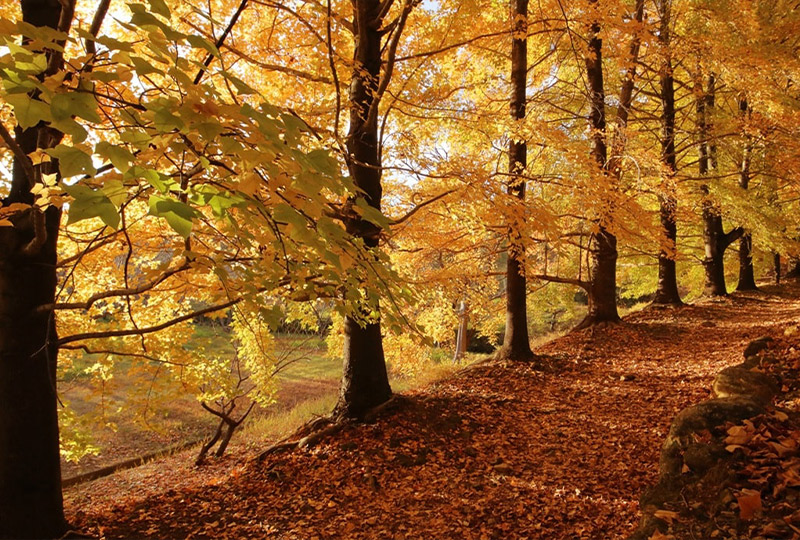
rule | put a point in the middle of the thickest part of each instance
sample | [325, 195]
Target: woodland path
[499, 451]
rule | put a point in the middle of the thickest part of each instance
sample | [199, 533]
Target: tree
[30, 473]
[516, 345]
[747, 280]
[715, 239]
[602, 286]
[667, 287]
[365, 383]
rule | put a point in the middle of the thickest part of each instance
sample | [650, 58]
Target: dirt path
[501, 451]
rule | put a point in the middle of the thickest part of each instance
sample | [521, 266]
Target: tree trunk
[747, 280]
[516, 345]
[602, 290]
[667, 287]
[793, 271]
[365, 382]
[30, 469]
[462, 337]
[776, 262]
[715, 240]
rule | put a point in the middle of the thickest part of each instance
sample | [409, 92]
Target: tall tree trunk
[776, 263]
[30, 471]
[715, 240]
[793, 269]
[516, 345]
[667, 287]
[747, 280]
[602, 287]
[365, 382]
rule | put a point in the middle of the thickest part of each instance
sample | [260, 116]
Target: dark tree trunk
[793, 270]
[516, 345]
[602, 292]
[602, 286]
[667, 287]
[30, 471]
[747, 279]
[776, 262]
[715, 240]
[365, 382]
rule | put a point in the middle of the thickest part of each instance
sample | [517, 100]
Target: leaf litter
[557, 450]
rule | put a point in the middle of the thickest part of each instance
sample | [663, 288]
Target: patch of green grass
[283, 423]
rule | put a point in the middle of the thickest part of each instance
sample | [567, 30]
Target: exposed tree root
[311, 433]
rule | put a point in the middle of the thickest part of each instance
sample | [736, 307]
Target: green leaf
[285, 213]
[373, 215]
[142, 66]
[165, 121]
[119, 156]
[178, 215]
[71, 128]
[159, 7]
[67, 105]
[90, 203]
[27, 111]
[72, 161]
[199, 42]
[116, 191]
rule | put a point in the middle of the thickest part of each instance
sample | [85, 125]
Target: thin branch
[220, 41]
[130, 291]
[418, 207]
[149, 329]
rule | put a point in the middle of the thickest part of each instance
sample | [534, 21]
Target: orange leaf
[749, 503]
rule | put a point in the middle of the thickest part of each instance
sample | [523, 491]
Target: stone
[757, 345]
[703, 416]
[740, 382]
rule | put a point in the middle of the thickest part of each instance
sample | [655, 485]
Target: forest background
[379, 171]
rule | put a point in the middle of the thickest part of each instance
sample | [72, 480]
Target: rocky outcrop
[695, 457]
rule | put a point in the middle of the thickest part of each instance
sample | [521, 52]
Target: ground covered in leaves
[500, 451]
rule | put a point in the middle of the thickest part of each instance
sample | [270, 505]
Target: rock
[740, 382]
[757, 345]
[703, 416]
[701, 457]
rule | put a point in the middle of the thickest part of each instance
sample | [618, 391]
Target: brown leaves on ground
[499, 451]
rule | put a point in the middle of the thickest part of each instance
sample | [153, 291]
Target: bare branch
[149, 329]
[420, 206]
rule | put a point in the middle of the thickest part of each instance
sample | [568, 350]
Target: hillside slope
[499, 451]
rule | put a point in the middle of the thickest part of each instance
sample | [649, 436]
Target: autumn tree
[516, 344]
[30, 474]
[715, 239]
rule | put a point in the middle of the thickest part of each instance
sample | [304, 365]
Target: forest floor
[501, 450]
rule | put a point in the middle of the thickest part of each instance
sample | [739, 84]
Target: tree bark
[715, 240]
[667, 287]
[602, 290]
[30, 472]
[516, 344]
[776, 263]
[747, 279]
[365, 382]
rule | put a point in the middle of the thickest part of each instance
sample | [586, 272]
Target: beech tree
[365, 383]
[30, 473]
[516, 344]
[715, 240]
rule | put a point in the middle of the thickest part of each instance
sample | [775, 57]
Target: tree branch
[149, 329]
[220, 41]
[418, 207]
[131, 291]
[568, 281]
